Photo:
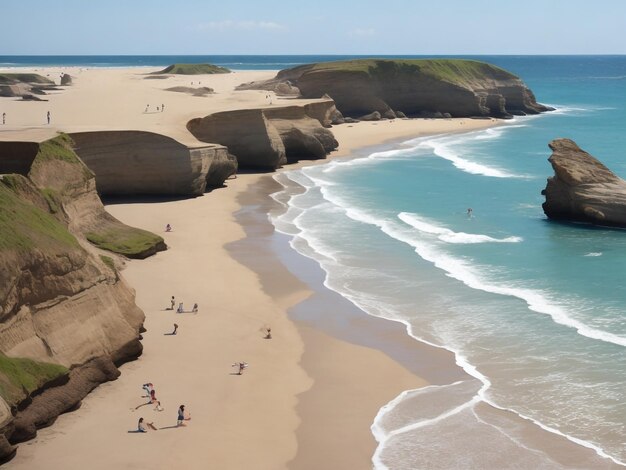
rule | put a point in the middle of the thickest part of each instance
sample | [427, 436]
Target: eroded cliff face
[268, 138]
[458, 88]
[138, 162]
[66, 318]
[582, 188]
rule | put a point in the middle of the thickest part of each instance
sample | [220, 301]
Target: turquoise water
[534, 310]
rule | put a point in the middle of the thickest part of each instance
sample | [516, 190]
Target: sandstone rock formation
[462, 88]
[138, 162]
[25, 85]
[200, 91]
[248, 135]
[582, 188]
[66, 318]
[269, 138]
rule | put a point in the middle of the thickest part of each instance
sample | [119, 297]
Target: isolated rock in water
[463, 88]
[66, 79]
[582, 188]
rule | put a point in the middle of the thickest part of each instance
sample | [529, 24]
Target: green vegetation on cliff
[57, 148]
[24, 226]
[127, 241]
[193, 69]
[456, 71]
[20, 376]
[12, 78]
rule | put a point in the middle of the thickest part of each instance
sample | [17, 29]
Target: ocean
[534, 310]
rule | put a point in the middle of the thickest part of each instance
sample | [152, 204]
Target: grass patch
[52, 198]
[20, 376]
[456, 71]
[12, 78]
[58, 148]
[109, 262]
[193, 69]
[126, 241]
[24, 226]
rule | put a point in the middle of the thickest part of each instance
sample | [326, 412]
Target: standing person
[469, 211]
[4, 118]
[195, 308]
[162, 107]
[175, 328]
[241, 366]
[48, 115]
[173, 302]
[168, 228]
[181, 416]
[180, 308]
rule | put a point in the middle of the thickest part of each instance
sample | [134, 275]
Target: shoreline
[104, 419]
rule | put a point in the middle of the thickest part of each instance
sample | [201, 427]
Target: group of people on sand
[181, 307]
[158, 109]
[143, 425]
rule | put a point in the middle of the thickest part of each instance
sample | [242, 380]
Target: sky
[367, 27]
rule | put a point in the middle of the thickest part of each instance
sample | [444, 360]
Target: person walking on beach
[173, 302]
[180, 308]
[175, 328]
[148, 388]
[48, 116]
[268, 335]
[4, 118]
[162, 107]
[241, 366]
[181, 416]
[195, 308]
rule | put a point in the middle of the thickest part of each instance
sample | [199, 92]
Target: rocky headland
[268, 138]
[582, 188]
[67, 320]
[373, 89]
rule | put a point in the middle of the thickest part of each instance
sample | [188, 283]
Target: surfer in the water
[469, 211]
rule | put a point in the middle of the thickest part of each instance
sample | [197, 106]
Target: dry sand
[238, 422]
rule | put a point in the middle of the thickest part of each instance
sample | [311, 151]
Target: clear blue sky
[313, 27]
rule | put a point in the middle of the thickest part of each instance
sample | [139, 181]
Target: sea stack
[376, 89]
[582, 188]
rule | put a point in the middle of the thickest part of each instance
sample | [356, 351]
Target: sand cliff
[66, 318]
[426, 87]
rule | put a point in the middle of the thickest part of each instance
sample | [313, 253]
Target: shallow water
[533, 309]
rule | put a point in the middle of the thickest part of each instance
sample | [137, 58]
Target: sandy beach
[304, 387]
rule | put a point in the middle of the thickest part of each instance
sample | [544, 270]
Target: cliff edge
[421, 88]
[67, 319]
[582, 188]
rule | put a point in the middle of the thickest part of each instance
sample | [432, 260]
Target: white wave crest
[450, 236]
